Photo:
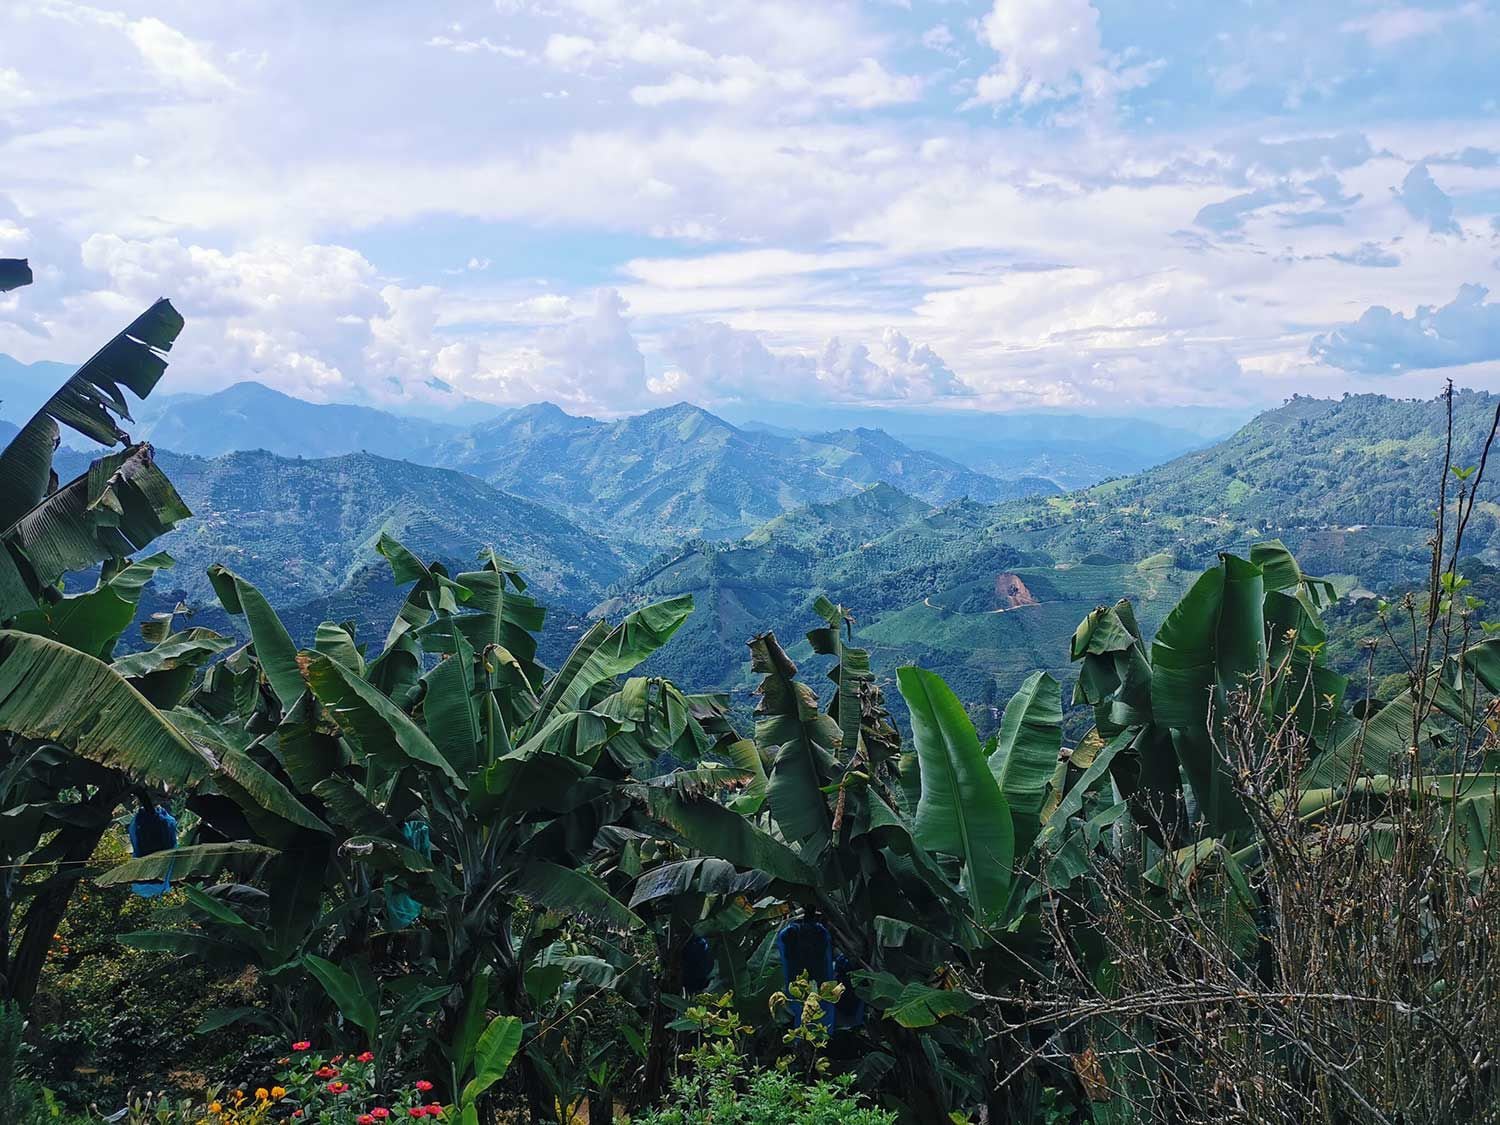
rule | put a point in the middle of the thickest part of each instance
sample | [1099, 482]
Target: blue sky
[957, 204]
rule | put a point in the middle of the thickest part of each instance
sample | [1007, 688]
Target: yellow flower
[262, 1094]
[278, 1091]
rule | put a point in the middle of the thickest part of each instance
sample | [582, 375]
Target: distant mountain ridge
[681, 471]
[252, 416]
[675, 472]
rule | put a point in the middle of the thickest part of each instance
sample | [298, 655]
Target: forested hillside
[681, 471]
[305, 531]
[1346, 484]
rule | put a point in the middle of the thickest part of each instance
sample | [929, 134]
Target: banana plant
[80, 730]
[1244, 621]
[453, 728]
[911, 859]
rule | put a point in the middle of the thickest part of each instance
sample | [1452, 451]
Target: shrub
[722, 1088]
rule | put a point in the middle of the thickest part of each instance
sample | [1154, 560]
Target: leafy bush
[722, 1088]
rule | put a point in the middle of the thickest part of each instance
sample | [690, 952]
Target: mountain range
[682, 472]
[979, 577]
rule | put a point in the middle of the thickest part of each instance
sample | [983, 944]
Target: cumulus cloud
[1381, 342]
[716, 361]
[1424, 200]
[174, 58]
[1050, 50]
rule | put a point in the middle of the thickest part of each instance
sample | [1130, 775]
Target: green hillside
[681, 471]
[304, 531]
[1347, 484]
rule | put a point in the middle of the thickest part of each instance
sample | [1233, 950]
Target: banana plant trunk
[23, 970]
[655, 1077]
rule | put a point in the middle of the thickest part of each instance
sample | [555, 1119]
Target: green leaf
[575, 893]
[450, 708]
[191, 862]
[54, 693]
[624, 647]
[1211, 641]
[961, 811]
[268, 793]
[370, 720]
[912, 1004]
[337, 642]
[273, 644]
[715, 830]
[111, 511]
[1027, 747]
[93, 621]
[850, 674]
[359, 1005]
[790, 726]
[492, 1057]
[88, 402]
[181, 942]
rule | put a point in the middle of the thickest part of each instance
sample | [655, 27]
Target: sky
[1120, 206]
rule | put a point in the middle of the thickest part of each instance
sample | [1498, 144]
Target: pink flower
[325, 1072]
[423, 1085]
[337, 1087]
[417, 1111]
[380, 1113]
[364, 1119]
[302, 1045]
[434, 1110]
[368, 1056]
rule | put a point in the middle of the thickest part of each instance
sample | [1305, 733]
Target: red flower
[417, 1111]
[325, 1072]
[365, 1119]
[337, 1087]
[302, 1045]
[336, 1059]
[434, 1110]
[423, 1085]
[380, 1113]
[368, 1056]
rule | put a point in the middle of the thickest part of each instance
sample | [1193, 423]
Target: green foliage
[720, 1086]
[723, 1088]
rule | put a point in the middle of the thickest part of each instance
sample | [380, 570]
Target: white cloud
[569, 50]
[870, 85]
[715, 362]
[792, 172]
[548, 306]
[175, 58]
[482, 45]
[1395, 25]
[1050, 50]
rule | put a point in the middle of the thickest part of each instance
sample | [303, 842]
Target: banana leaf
[961, 811]
[52, 693]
